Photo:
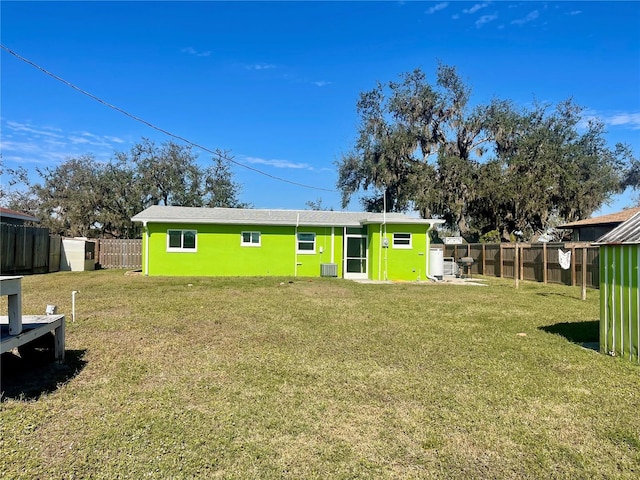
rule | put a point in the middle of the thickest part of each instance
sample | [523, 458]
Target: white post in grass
[73, 306]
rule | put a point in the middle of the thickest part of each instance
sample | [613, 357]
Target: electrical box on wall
[385, 243]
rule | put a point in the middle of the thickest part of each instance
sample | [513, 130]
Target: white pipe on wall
[146, 249]
[332, 244]
[295, 260]
[380, 255]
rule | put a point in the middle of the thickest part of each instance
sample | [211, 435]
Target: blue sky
[276, 84]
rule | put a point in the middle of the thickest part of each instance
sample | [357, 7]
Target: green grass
[262, 378]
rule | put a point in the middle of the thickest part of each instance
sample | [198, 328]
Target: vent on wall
[328, 270]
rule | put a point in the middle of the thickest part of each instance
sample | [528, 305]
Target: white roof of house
[244, 216]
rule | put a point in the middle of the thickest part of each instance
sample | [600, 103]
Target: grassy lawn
[300, 378]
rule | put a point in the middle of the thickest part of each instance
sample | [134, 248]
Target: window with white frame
[306, 243]
[250, 239]
[181, 240]
[401, 240]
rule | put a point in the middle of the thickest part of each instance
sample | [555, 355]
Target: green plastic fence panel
[620, 301]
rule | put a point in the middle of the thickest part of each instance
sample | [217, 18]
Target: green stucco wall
[394, 263]
[219, 252]
[620, 300]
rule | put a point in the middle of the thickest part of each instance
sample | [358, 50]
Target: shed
[77, 255]
[619, 297]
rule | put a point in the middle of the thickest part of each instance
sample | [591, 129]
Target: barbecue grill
[465, 264]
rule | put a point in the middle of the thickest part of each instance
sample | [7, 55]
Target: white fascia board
[202, 221]
[406, 221]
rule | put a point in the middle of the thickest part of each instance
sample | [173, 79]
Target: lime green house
[259, 242]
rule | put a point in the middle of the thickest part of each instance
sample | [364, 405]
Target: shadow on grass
[556, 294]
[585, 334]
[37, 373]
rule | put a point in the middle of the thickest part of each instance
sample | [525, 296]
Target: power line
[159, 129]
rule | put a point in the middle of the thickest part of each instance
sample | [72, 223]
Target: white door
[355, 258]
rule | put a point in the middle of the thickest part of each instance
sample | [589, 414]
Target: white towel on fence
[565, 259]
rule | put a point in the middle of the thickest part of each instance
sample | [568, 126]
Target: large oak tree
[85, 197]
[481, 168]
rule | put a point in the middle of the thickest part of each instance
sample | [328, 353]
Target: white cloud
[25, 143]
[88, 134]
[277, 163]
[529, 18]
[260, 66]
[475, 8]
[28, 152]
[321, 83]
[631, 120]
[575, 12]
[27, 128]
[437, 8]
[76, 139]
[484, 19]
[86, 138]
[20, 147]
[193, 51]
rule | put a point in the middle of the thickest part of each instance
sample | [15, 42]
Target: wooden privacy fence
[537, 262]
[55, 253]
[23, 250]
[27, 250]
[119, 253]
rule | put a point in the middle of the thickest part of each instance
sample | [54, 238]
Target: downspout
[344, 251]
[428, 251]
[295, 263]
[146, 248]
[332, 244]
[380, 255]
[384, 222]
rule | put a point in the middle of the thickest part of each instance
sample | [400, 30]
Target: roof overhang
[227, 221]
[7, 213]
[261, 217]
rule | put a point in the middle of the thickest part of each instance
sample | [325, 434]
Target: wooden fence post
[484, 256]
[544, 263]
[573, 266]
[583, 296]
[516, 268]
[501, 255]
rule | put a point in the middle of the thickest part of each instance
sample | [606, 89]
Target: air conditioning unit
[450, 267]
[328, 270]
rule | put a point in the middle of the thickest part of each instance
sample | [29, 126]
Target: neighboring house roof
[626, 233]
[612, 218]
[242, 216]
[5, 212]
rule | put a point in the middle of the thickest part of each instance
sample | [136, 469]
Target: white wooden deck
[34, 326]
[17, 330]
